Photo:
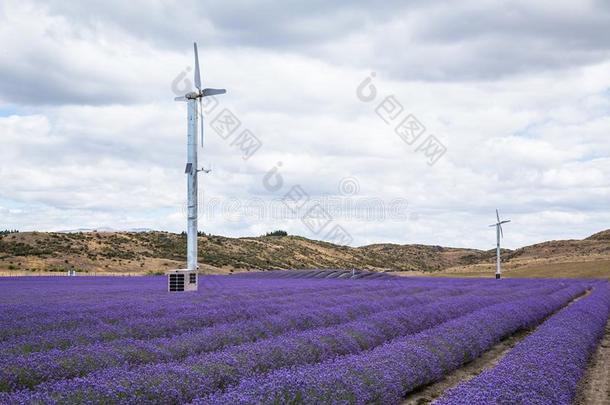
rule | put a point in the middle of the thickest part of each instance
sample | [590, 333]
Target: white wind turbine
[499, 233]
[177, 279]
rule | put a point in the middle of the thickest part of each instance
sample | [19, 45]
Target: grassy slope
[587, 258]
[159, 251]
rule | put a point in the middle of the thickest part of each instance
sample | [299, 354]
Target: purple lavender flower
[256, 339]
[545, 367]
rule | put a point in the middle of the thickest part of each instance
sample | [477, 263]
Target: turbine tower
[499, 233]
[177, 280]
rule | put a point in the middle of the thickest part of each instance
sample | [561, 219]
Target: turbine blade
[213, 92]
[501, 232]
[497, 215]
[505, 221]
[197, 75]
[181, 98]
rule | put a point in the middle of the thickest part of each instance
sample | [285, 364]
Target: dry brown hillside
[155, 252]
[151, 252]
[589, 257]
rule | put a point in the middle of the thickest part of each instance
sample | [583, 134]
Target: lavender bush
[252, 339]
[20, 371]
[385, 374]
[546, 366]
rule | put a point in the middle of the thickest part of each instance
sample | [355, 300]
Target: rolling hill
[155, 252]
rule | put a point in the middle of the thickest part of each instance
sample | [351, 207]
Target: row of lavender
[251, 341]
[55, 298]
[53, 312]
[544, 368]
[386, 373]
[21, 328]
[167, 381]
[28, 370]
[105, 327]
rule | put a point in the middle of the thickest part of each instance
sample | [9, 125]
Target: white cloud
[94, 138]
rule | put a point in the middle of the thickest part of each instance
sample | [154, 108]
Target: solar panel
[176, 282]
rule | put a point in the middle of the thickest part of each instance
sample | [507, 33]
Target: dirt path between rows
[490, 358]
[594, 388]
[429, 393]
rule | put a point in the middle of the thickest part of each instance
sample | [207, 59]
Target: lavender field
[273, 340]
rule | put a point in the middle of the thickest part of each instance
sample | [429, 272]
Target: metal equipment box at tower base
[182, 280]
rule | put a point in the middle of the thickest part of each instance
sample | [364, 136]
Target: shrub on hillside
[277, 233]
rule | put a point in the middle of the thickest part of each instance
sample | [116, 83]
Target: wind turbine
[499, 233]
[177, 279]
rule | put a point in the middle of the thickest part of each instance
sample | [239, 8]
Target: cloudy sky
[406, 122]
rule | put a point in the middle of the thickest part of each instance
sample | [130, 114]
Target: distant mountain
[105, 229]
[147, 251]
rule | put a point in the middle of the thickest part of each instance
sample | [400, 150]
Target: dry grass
[157, 252]
[574, 269]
